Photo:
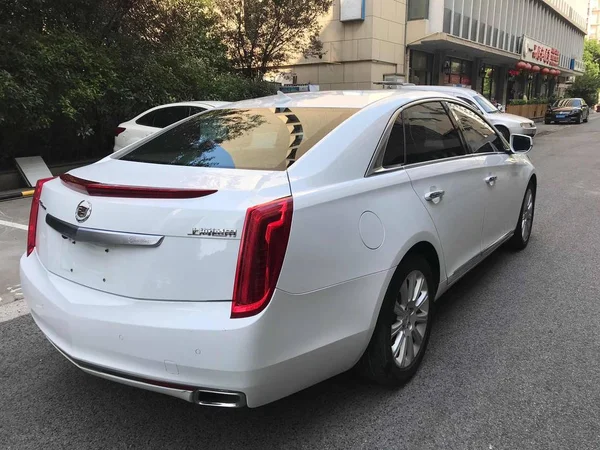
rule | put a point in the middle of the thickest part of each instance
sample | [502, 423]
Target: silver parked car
[506, 123]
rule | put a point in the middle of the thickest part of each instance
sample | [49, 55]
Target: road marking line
[13, 225]
[13, 310]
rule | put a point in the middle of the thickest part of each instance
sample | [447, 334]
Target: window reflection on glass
[258, 138]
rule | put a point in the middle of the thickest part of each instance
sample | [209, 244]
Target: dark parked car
[568, 110]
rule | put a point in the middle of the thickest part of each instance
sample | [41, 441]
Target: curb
[10, 195]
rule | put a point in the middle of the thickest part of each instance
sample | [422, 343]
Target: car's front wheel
[523, 230]
[403, 326]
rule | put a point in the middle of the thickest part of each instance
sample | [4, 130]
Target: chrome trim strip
[102, 237]
[487, 252]
[183, 394]
[470, 264]
[192, 396]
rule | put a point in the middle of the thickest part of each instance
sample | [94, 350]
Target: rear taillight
[262, 250]
[119, 130]
[33, 214]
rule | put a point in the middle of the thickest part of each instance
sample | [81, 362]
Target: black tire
[547, 122]
[378, 363]
[518, 241]
[504, 131]
[579, 119]
[586, 118]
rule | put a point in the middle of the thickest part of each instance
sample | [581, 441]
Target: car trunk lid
[170, 248]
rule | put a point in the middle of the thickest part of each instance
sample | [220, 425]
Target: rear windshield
[258, 138]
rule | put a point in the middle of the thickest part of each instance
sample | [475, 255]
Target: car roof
[211, 103]
[333, 99]
[445, 89]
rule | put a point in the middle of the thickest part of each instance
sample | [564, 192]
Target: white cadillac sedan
[251, 251]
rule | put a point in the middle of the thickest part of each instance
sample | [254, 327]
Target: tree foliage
[260, 34]
[587, 85]
[71, 70]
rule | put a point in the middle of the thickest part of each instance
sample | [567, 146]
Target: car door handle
[434, 196]
[491, 180]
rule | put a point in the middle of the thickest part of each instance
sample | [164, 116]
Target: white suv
[506, 123]
[251, 251]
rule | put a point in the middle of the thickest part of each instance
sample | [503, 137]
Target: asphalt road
[513, 361]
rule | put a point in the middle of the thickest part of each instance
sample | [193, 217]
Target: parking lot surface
[513, 361]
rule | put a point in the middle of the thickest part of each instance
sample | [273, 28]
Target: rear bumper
[176, 348]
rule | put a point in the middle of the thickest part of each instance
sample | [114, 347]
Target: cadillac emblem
[83, 211]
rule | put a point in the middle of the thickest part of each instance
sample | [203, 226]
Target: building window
[457, 71]
[418, 9]
[421, 65]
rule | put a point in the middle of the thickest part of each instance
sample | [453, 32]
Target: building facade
[593, 22]
[473, 43]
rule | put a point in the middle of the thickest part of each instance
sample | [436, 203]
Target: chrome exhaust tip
[220, 399]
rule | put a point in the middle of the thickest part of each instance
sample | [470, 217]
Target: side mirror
[519, 143]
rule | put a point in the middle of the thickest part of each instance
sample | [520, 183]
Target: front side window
[253, 138]
[430, 134]
[479, 136]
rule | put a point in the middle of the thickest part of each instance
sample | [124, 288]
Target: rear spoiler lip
[98, 189]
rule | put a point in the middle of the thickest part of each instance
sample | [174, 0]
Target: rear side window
[394, 150]
[430, 134]
[480, 137]
[168, 116]
[164, 117]
[257, 138]
[195, 110]
[147, 119]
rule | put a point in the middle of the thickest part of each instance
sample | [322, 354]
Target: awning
[464, 48]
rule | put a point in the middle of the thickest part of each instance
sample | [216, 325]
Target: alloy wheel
[527, 217]
[412, 310]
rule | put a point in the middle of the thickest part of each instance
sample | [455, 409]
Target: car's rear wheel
[403, 326]
[547, 122]
[523, 230]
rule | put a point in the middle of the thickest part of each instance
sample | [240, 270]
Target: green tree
[587, 85]
[71, 70]
[261, 34]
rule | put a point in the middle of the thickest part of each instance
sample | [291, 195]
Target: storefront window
[457, 71]
[489, 83]
[418, 9]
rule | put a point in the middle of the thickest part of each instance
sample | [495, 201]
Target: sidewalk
[544, 129]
